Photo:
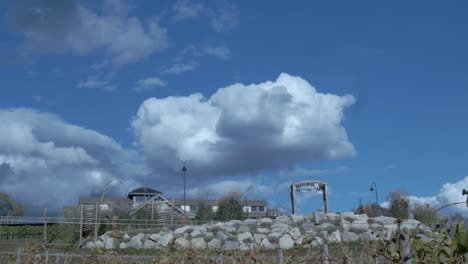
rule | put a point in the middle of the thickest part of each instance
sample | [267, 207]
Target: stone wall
[284, 232]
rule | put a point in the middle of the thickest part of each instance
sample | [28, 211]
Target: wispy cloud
[149, 84]
[219, 52]
[222, 14]
[179, 68]
[94, 82]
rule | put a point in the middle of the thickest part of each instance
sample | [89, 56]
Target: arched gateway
[307, 186]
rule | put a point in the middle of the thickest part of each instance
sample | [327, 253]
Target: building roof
[112, 200]
[143, 191]
[212, 202]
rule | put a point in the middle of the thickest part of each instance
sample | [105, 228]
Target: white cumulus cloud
[46, 162]
[244, 128]
[149, 84]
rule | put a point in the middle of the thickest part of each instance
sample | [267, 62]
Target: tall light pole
[184, 169]
[373, 187]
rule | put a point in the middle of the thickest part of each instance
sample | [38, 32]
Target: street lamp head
[371, 189]
[184, 169]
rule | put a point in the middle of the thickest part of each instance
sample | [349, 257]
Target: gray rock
[123, 245]
[154, 237]
[359, 227]
[332, 218]
[411, 224]
[182, 242]
[196, 233]
[243, 229]
[215, 227]
[181, 230]
[266, 244]
[284, 219]
[275, 235]
[233, 223]
[334, 236]
[286, 242]
[214, 244]
[362, 217]
[126, 238]
[328, 227]
[345, 225]
[299, 240]
[316, 242]
[294, 233]
[348, 216]
[280, 228]
[198, 243]
[231, 245]
[297, 219]
[208, 236]
[383, 220]
[223, 236]
[149, 244]
[164, 240]
[308, 227]
[349, 236]
[265, 222]
[109, 243]
[136, 241]
[245, 237]
[251, 222]
[90, 244]
[263, 230]
[230, 229]
[99, 244]
[316, 217]
[259, 237]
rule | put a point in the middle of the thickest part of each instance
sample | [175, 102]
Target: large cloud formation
[243, 129]
[60, 26]
[46, 162]
[449, 193]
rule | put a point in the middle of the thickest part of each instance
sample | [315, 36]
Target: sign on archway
[307, 186]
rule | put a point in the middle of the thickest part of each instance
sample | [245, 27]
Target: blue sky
[93, 91]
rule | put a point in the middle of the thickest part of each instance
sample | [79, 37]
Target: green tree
[425, 214]
[399, 204]
[371, 209]
[204, 213]
[6, 204]
[230, 207]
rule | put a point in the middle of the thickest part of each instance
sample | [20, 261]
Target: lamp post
[373, 187]
[184, 169]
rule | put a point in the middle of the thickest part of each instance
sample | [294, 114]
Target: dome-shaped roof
[143, 191]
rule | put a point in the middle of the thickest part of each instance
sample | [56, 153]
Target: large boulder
[245, 237]
[266, 244]
[349, 236]
[198, 243]
[284, 219]
[286, 242]
[164, 240]
[231, 245]
[214, 244]
[359, 227]
[348, 216]
[182, 230]
[265, 222]
[297, 219]
[136, 241]
[182, 242]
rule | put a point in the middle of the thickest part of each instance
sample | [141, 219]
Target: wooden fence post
[280, 256]
[18, 255]
[45, 227]
[81, 224]
[405, 247]
[96, 222]
[325, 254]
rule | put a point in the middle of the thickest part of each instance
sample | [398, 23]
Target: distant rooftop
[213, 202]
[143, 191]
